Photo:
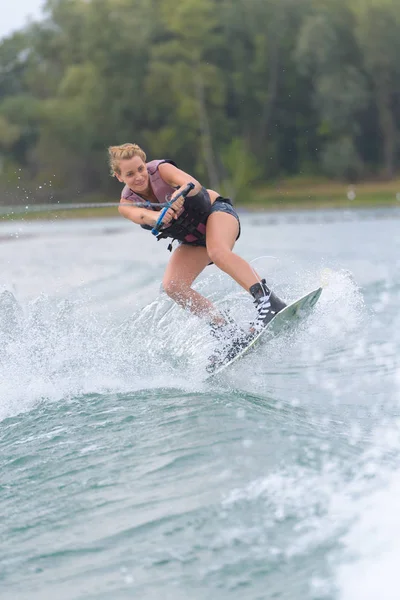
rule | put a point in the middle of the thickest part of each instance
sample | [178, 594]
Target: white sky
[15, 14]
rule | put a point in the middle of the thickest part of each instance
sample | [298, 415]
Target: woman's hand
[176, 209]
[170, 215]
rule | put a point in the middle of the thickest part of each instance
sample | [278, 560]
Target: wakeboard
[286, 318]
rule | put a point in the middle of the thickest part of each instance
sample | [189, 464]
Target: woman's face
[134, 174]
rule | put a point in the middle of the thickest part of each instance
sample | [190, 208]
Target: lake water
[124, 474]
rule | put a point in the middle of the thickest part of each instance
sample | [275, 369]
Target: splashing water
[125, 473]
[54, 348]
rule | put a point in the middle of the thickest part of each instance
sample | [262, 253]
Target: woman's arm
[177, 178]
[141, 216]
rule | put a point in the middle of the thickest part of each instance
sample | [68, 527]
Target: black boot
[267, 304]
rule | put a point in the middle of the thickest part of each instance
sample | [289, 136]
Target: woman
[207, 227]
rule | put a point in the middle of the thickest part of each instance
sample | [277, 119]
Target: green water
[124, 474]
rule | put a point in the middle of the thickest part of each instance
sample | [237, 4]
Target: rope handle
[184, 193]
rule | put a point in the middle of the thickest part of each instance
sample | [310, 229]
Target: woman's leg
[186, 263]
[222, 231]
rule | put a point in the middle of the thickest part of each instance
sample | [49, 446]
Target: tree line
[235, 91]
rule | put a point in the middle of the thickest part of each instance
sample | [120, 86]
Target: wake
[52, 349]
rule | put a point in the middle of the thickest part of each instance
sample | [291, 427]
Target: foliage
[234, 91]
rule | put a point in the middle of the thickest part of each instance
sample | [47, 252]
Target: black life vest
[190, 226]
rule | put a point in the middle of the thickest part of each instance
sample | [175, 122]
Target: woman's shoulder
[128, 194]
[153, 165]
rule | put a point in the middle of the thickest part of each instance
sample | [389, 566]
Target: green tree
[328, 54]
[185, 84]
[233, 90]
[378, 33]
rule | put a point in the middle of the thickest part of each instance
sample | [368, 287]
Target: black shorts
[220, 205]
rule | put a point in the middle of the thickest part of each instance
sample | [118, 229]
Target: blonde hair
[125, 151]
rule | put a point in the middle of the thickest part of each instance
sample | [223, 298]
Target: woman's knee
[175, 288]
[219, 255]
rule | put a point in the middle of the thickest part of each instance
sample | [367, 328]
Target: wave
[52, 348]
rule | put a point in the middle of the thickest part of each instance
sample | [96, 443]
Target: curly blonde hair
[125, 151]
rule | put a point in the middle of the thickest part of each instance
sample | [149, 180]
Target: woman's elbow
[122, 211]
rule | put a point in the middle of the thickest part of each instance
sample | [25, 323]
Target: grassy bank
[59, 214]
[291, 194]
[302, 193]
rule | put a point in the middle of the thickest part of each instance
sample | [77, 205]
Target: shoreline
[295, 193]
[57, 213]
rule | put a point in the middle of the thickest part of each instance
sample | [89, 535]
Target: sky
[15, 14]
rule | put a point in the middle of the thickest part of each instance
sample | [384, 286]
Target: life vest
[190, 226]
